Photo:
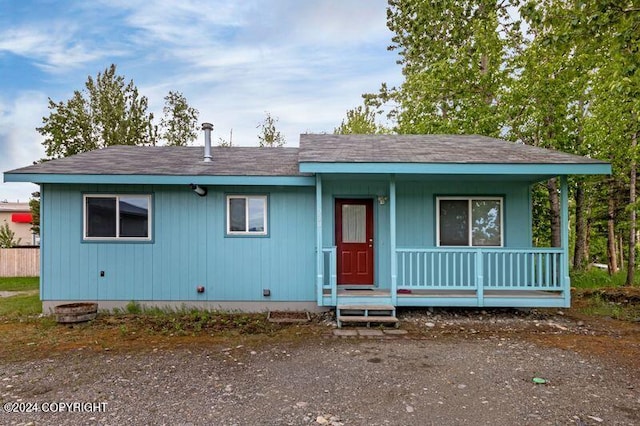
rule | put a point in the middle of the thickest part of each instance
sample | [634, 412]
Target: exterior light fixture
[200, 190]
[382, 199]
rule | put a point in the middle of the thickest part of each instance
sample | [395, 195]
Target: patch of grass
[20, 305]
[597, 278]
[187, 321]
[597, 305]
[19, 283]
[25, 338]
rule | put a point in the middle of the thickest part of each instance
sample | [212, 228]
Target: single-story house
[391, 220]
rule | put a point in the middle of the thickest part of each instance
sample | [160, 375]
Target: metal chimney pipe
[207, 127]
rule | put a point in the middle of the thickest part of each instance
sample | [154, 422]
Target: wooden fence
[20, 262]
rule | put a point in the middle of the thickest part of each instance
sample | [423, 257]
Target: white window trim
[247, 197]
[85, 237]
[470, 200]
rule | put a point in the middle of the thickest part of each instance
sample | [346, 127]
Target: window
[117, 217]
[247, 215]
[354, 223]
[475, 222]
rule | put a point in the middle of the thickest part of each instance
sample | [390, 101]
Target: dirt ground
[454, 366]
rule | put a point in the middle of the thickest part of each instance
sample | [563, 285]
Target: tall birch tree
[452, 56]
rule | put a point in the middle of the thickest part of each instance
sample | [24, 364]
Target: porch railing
[476, 269]
[329, 269]
[470, 269]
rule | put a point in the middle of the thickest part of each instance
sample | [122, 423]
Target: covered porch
[433, 220]
[446, 276]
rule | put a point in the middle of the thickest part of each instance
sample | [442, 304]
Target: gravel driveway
[397, 381]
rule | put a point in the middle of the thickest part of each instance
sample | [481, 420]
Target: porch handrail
[484, 249]
[329, 272]
[497, 268]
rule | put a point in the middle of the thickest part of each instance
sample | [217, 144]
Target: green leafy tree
[225, 143]
[568, 79]
[34, 206]
[608, 35]
[7, 237]
[617, 101]
[179, 124]
[269, 135]
[360, 120]
[614, 128]
[108, 111]
[546, 103]
[452, 56]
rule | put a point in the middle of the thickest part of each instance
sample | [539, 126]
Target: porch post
[479, 277]
[392, 239]
[564, 230]
[319, 253]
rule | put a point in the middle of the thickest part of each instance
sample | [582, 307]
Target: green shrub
[596, 278]
[7, 237]
[133, 308]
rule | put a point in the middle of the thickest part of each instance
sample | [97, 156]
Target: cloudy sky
[305, 62]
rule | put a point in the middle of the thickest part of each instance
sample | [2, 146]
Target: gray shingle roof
[427, 149]
[178, 161]
[254, 161]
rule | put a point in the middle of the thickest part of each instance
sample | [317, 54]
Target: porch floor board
[523, 293]
[364, 293]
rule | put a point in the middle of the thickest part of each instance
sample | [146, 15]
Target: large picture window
[247, 215]
[117, 217]
[475, 222]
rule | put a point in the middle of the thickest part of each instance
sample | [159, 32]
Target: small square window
[117, 217]
[247, 215]
[475, 222]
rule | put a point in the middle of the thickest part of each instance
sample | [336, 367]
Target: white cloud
[301, 61]
[327, 22]
[304, 62]
[54, 49]
[221, 33]
[20, 144]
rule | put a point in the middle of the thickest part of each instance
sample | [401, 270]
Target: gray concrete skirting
[48, 305]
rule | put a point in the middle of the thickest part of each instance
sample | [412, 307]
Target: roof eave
[41, 178]
[553, 169]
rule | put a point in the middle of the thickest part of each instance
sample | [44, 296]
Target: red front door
[354, 241]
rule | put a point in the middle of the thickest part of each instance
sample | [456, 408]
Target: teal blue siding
[417, 209]
[189, 248]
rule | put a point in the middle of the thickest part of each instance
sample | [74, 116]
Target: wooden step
[353, 318]
[366, 307]
[366, 314]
